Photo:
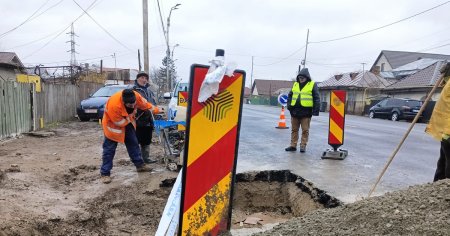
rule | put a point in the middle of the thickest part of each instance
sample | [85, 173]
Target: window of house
[382, 66]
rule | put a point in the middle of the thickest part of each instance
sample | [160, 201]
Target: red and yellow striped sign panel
[182, 98]
[337, 118]
[210, 155]
[182, 101]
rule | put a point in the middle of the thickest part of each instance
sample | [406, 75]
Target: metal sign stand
[336, 127]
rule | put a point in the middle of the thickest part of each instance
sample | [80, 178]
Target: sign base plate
[339, 154]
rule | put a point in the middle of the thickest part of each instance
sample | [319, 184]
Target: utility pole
[145, 25]
[73, 52]
[115, 68]
[306, 50]
[251, 79]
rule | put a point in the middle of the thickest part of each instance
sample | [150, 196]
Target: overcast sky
[272, 31]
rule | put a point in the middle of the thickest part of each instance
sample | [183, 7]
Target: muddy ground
[55, 187]
[50, 186]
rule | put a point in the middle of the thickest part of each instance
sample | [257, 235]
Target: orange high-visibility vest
[116, 117]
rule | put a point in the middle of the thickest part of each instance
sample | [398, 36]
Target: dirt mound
[419, 210]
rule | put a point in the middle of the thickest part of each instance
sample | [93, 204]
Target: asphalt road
[370, 143]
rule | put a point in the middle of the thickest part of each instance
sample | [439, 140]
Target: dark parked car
[396, 109]
[93, 107]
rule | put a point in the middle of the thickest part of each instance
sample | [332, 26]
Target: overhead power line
[94, 58]
[50, 7]
[51, 40]
[25, 21]
[381, 27]
[47, 36]
[208, 51]
[37, 40]
[162, 22]
[440, 46]
[284, 58]
[103, 28]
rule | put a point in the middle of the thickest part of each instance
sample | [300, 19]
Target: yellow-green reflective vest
[306, 99]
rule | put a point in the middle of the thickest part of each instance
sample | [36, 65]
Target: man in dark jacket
[303, 103]
[144, 120]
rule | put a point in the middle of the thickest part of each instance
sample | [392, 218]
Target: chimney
[353, 75]
[375, 70]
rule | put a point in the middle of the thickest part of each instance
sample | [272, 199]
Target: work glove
[154, 110]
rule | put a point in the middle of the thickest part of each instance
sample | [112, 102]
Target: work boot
[302, 148]
[143, 168]
[145, 150]
[105, 179]
[290, 149]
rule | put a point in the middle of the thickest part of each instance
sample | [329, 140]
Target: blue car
[94, 106]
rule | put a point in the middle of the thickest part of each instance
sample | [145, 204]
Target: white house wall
[8, 75]
[387, 66]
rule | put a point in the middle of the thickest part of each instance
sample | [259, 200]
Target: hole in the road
[261, 200]
[271, 197]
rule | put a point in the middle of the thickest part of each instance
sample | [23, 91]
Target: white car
[175, 112]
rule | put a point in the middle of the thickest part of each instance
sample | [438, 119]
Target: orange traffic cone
[282, 122]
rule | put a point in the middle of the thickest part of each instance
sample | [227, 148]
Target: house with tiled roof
[120, 76]
[10, 65]
[389, 60]
[408, 69]
[419, 84]
[359, 87]
[270, 87]
[265, 92]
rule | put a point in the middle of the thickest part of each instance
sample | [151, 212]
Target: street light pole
[115, 68]
[173, 49]
[169, 83]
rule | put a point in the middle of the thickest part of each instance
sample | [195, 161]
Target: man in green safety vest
[303, 103]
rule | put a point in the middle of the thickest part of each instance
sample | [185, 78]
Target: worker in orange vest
[119, 126]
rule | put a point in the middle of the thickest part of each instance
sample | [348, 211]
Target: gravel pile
[418, 210]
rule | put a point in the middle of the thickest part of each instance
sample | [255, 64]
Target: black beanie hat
[128, 96]
[142, 74]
